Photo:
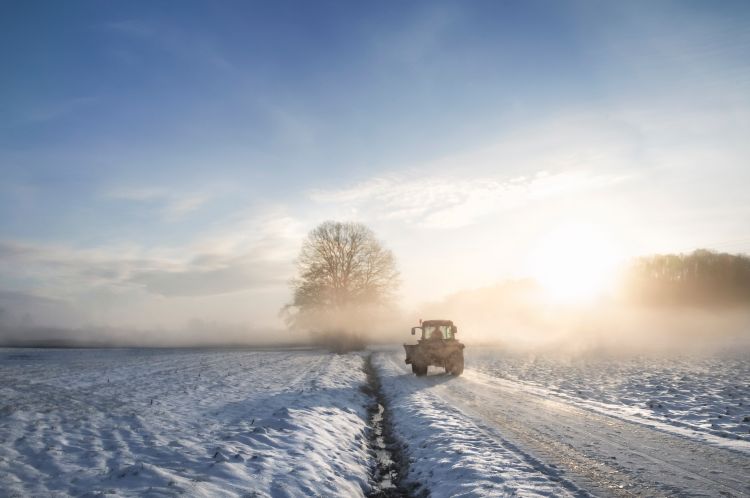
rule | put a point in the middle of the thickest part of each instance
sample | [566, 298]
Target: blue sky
[162, 161]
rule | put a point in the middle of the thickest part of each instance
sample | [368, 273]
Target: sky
[162, 162]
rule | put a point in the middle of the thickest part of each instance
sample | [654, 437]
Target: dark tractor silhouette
[437, 346]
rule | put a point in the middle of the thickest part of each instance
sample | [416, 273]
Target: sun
[574, 262]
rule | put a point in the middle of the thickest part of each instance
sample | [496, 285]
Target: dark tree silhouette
[702, 278]
[342, 272]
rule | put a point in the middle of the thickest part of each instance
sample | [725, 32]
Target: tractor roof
[437, 322]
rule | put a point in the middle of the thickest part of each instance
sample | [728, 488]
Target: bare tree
[342, 269]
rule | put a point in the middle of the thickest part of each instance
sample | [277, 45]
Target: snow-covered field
[699, 396]
[280, 423]
[167, 422]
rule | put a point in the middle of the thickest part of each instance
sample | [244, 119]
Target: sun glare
[574, 262]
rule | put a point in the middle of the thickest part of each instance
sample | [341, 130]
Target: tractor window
[432, 332]
[437, 332]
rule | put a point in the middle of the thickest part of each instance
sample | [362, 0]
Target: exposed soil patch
[390, 463]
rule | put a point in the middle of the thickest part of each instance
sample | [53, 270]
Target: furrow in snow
[204, 423]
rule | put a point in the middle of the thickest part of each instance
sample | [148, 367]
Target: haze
[161, 167]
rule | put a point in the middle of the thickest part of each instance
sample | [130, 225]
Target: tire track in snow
[454, 454]
[606, 455]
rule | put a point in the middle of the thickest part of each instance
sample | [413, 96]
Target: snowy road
[596, 452]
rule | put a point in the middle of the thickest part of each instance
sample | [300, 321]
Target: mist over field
[432, 248]
[516, 316]
[196, 335]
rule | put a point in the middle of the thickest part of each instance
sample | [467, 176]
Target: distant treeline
[701, 278]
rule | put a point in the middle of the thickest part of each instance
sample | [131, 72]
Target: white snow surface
[450, 453]
[196, 422]
[706, 397]
[162, 422]
[483, 435]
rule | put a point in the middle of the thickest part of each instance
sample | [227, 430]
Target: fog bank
[195, 334]
[518, 316]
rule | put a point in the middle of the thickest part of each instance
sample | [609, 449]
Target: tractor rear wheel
[456, 364]
[420, 370]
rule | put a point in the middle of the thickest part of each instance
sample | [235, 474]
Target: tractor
[437, 346]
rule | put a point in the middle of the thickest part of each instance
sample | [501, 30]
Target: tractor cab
[436, 330]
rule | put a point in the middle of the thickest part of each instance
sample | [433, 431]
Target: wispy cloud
[251, 254]
[176, 208]
[223, 275]
[44, 111]
[172, 205]
[412, 42]
[566, 156]
[451, 202]
[168, 38]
